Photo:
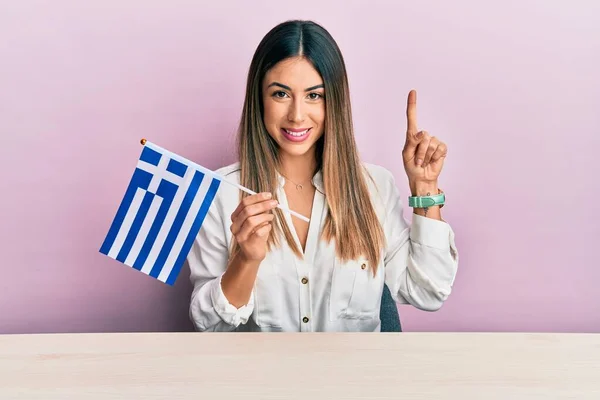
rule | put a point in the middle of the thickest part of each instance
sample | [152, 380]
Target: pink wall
[512, 88]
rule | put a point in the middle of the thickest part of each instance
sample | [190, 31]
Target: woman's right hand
[251, 225]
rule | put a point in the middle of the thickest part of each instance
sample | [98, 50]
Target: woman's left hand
[423, 155]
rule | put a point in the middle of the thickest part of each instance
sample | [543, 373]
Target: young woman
[257, 268]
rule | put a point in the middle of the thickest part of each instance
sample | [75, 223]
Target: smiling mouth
[296, 133]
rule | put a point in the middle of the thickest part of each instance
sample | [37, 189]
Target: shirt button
[363, 266]
[305, 320]
[304, 281]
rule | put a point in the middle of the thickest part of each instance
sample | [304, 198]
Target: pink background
[512, 88]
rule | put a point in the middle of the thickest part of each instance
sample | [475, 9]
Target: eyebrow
[290, 89]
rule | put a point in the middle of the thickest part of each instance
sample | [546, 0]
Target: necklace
[299, 186]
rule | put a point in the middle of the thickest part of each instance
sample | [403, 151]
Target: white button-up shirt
[321, 293]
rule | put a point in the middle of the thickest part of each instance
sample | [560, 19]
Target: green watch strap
[427, 201]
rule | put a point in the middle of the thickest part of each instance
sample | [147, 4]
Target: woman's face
[294, 105]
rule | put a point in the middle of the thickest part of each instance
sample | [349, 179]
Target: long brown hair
[351, 221]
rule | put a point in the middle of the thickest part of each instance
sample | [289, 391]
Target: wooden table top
[488, 366]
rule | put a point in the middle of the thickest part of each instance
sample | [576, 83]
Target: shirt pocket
[267, 296]
[355, 292]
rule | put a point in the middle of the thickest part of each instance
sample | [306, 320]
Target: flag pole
[242, 188]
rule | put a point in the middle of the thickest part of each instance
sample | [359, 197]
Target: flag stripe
[135, 226]
[168, 221]
[127, 221]
[142, 234]
[183, 232]
[176, 227]
[167, 192]
[140, 179]
[187, 246]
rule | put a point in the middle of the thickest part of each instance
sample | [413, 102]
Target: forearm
[426, 189]
[238, 281]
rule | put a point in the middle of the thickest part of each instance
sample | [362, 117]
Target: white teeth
[297, 134]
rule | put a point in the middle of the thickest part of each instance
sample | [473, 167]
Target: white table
[206, 366]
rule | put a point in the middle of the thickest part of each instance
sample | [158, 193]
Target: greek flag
[161, 213]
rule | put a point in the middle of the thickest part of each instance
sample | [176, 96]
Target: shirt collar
[317, 180]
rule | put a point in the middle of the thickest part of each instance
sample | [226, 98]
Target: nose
[296, 111]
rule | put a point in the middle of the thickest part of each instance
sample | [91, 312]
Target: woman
[256, 268]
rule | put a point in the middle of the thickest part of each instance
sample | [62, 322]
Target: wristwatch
[427, 201]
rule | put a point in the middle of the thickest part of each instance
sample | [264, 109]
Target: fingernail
[268, 195]
[419, 161]
[420, 135]
[274, 203]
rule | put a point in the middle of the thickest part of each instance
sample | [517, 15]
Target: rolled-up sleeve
[421, 259]
[209, 308]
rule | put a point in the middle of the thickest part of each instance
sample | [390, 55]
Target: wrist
[245, 262]
[421, 188]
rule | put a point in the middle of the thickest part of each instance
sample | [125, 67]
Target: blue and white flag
[161, 213]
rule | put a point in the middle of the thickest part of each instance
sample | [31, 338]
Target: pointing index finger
[411, 113]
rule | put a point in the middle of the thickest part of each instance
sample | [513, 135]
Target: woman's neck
[299, 169]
